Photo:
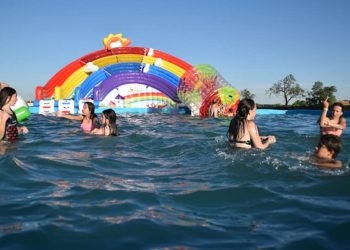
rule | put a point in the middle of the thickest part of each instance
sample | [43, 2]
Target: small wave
[171, 176]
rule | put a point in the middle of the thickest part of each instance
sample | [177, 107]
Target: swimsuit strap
[248, 142]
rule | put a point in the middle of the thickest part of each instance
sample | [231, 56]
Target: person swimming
[327, 149]
[243, 132]
[109, 124]
[88, 118]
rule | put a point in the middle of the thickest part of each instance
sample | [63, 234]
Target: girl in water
[243, 132]
[336, 123]
[109, 126]
[88, 117]
[326, 151]
[9, 128]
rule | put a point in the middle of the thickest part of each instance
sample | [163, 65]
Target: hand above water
[59, 113]
[271, 139]
[23, 130]
[325, 103]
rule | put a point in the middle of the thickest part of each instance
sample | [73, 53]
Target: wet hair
[5, 94]
[238, 122]
[342, 109]
[91, 108]
[332, 143]
[111, 116]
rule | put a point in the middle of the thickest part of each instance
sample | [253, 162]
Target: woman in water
[336, 123]
[3, 85]
[88, 117]
[9, 128]
[243, 132]
[109, 124]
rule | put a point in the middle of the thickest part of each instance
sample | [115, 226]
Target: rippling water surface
[171, 182]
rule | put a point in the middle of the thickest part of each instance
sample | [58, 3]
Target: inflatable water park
[135, 80]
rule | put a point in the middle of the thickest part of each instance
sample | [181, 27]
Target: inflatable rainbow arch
[136, 77]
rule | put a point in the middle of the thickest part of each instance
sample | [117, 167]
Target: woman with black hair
[243, 132]
[109, 124]
[9, 128]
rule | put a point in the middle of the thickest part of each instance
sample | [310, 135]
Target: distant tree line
[289, 89]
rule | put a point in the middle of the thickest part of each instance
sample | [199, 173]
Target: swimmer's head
[110, 116]
[90, 108]
[244, 107]
[328, 145]
[7, 95]
[337, 109]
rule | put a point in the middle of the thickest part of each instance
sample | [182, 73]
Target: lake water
[171, 182]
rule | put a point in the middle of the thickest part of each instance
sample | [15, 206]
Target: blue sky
[252, 43]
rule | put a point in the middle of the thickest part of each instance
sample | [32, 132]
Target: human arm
[324, 119]
[335, 164]
[264, 138]
[23, 129]
[326, 163]
[341, 125]
[98, 131]
[256, 139]
[69, 117]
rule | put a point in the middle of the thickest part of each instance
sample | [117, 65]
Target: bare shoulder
[3, 114]
[343, 120]
[251, 125]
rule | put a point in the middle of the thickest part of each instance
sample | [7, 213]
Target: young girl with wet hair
[88, 118]
[326, 151]
[243, 132]
[9, 128]
[109, 124]
[336, 123]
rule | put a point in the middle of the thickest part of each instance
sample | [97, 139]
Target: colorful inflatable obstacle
[135, 77]
[21, 110]
[202, 86]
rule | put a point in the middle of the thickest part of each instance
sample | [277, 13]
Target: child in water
[9, 128]
[88, 118]
[214, 109]
[109, 124]
[336, 123]
[243, 132]
[326, 151]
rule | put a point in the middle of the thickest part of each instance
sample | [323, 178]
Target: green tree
[245, 93]
[299, 103]
[318, 93]
[288, 88]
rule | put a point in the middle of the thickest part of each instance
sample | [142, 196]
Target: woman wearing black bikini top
[243, 132]
[8, 122]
